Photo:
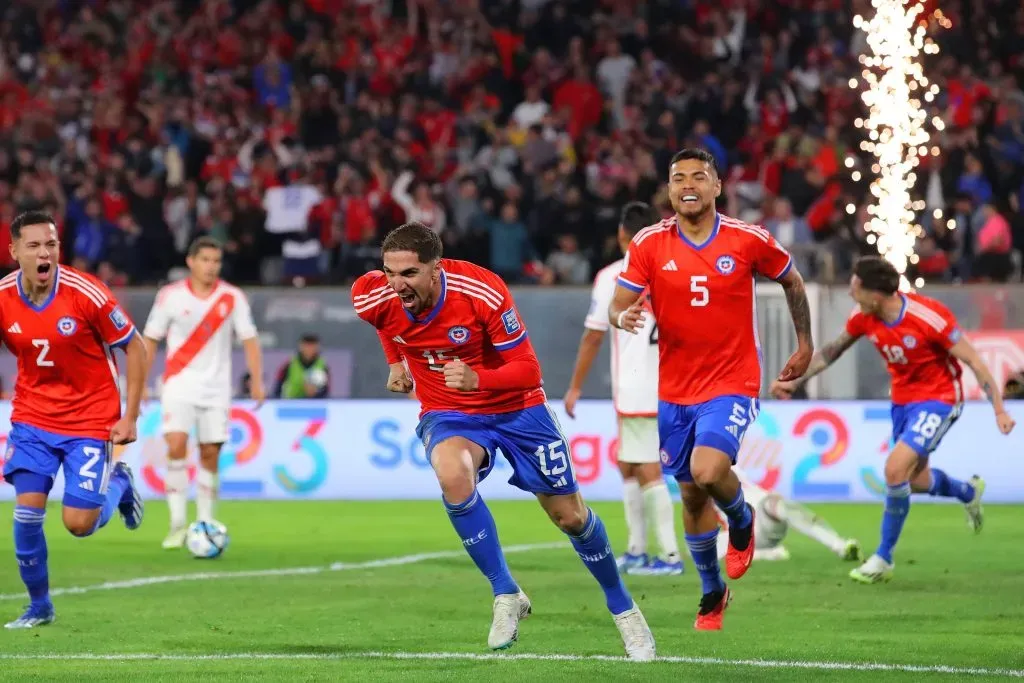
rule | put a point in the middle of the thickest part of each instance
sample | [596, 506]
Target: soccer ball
[207, 540]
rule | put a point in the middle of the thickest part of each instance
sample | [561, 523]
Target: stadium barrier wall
[812, 451]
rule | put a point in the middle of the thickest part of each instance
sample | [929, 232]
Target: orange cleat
[737, 562]
[712, 609]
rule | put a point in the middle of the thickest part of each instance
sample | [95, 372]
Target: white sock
[206, 494]
[658, 506]
[176, 485]
[635, 527]
[811, 525]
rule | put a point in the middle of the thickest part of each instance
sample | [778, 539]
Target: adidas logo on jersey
[734, 430]
[14, 329]
[398, 340]
[671, 265]
[87, 485]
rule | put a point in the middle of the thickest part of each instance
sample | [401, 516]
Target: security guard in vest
[306, 375]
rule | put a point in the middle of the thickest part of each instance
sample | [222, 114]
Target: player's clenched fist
[458, 375]
[1005, 422]
[782, 390]
[632, 319]
[399, 380]
[124, 431]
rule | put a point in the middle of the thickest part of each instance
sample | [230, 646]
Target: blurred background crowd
[298, 132]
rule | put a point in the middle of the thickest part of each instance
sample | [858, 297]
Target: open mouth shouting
[44, 271]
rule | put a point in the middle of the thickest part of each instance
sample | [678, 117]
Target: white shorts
[638, 440]
[210, 424]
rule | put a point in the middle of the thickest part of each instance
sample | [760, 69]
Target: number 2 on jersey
[44, 348]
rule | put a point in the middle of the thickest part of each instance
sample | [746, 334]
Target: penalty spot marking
[290, 571]
[470, 656]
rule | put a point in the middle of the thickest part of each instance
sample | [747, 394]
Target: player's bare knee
[80, 522]
[648, 474]
[901, 464]
[209, 456]
[568, 513]
[709, 466]
[455, 475]
[695, 498]
[177, 446]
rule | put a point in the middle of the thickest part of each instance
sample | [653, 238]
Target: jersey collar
[49, 297]
[903, 311]
[709, 240]
[437, 307]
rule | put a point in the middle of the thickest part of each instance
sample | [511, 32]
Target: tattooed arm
[826, 356]
[966, 354]
[800, 310]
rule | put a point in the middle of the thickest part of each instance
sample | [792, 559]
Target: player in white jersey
[199, 317]
[635, 394]
[775, 515]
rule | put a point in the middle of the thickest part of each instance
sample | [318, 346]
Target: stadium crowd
[298, 132]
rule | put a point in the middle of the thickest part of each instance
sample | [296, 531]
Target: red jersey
[474, 320]
[703, 299]
[916, 349]
[67, 379]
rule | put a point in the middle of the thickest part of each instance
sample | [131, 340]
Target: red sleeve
[855, 324]
[950, 333]
[505, 327]
[520, 370]
[636, 271]
[103, 312]
[391, 352]
[368, 293]
[769, 257]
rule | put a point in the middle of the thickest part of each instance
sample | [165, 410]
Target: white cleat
[975, 515]
[874, 570]
[175, 539]
[509, 610]
[636, 635]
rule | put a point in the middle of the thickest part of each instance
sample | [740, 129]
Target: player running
[699, 268]
[199, 317]
[479, 384]
[61, 325]
[635, 395]
[919, 339]
[773, 519]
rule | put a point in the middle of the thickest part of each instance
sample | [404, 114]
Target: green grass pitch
[957, 601]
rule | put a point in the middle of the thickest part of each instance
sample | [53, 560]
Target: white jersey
[634, 356]
[199, 333]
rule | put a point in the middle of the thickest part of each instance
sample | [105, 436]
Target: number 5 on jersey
[44, 348]
[699, 289]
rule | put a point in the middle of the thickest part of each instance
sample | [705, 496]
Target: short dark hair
[309, 338]
[203, 242]
[877, 274]
[698, 154]
[636, 216]
[417, 238]
[30, 218]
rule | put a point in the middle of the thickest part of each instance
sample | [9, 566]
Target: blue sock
[737, 512]
[595, 550]
[946, 486]
[115, 492]
[475, 526]
[704, 551]
[897, 506]
[30, 550]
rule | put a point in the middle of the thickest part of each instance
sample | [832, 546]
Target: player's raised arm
[520, 369]
[820, 361]
[965, 352]
[626, 309]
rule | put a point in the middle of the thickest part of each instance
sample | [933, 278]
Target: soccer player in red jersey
[921, 342]
[452, 328]
[699, 268]
[61, 325]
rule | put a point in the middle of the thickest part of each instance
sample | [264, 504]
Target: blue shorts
[531, 440]
[922, 425]
[719, 423]
[87, 463]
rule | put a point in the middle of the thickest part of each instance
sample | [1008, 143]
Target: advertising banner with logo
[813, 451]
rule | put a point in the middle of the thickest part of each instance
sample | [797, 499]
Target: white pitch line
[471, 656]
[290, 571]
